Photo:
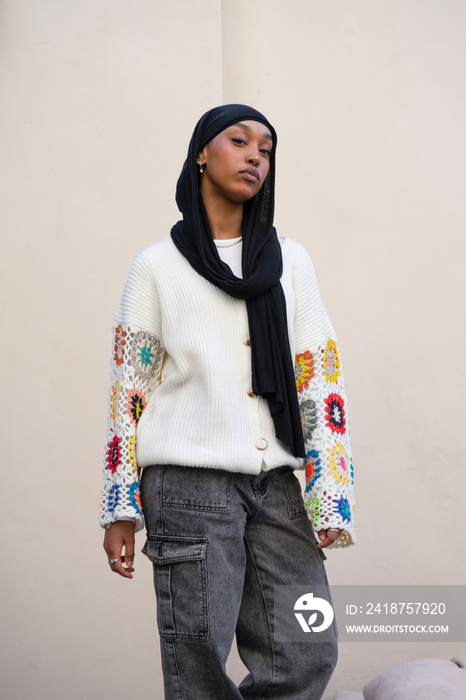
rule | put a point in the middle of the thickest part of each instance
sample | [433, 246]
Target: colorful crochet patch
[335, 413]
[146, 352]
[343, 508]
[114, 401]
[339, 464]
[331, 361]
[313, 469]
[134, 497]
[114, 454]
[113, 497]
[132, 452]
[304, 369]
[313, 509]
[120, 342]
[135, 405]
[308, 418]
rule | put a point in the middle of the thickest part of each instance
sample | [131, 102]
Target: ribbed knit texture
[181, 382]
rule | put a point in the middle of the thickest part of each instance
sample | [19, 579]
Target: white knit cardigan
[180, 389]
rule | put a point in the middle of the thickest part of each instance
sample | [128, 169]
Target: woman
[205, 333]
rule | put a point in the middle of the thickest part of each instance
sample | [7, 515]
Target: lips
[250, 174]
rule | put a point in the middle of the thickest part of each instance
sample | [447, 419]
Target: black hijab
[271, 362]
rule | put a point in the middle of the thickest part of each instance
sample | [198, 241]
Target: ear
[202, 157]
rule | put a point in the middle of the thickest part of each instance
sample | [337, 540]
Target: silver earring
[201, 169]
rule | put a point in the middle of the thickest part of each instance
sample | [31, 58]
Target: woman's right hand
[118, 536]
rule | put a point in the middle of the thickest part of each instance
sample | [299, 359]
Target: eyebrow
[248, 128]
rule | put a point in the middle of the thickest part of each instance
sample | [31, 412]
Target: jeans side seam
[267, 617]
[159, 528]
[172, 645]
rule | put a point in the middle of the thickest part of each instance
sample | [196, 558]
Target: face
[236, 162]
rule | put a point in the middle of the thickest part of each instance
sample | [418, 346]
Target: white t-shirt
[230, 252]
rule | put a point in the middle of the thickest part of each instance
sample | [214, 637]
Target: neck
[224, 228]
[225, 217]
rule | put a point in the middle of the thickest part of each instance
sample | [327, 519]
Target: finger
[322, 535]
[118, 568]
[122, 566]
[126, 564]
[116, 558]
[129, 551]
[329, 537]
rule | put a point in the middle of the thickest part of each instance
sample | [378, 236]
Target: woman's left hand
[327, 537]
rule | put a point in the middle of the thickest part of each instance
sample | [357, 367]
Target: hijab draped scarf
[271, 363]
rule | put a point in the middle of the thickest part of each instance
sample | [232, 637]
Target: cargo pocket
[180, 584]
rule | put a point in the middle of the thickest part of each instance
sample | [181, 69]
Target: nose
[253, 158]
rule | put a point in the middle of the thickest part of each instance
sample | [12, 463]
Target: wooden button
[261, 444]
[246, 339]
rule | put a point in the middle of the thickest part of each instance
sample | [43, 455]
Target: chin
[245, 195]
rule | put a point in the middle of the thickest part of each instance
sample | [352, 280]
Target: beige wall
[98, 102]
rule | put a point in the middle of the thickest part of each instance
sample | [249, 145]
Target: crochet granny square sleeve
[329, 493]
[136, 364]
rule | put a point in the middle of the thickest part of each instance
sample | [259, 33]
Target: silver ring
[114, 561]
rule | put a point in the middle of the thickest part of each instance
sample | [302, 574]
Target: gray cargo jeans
[219, 542]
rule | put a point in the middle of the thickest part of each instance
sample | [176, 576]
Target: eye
[265, 151]
[237, 139]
